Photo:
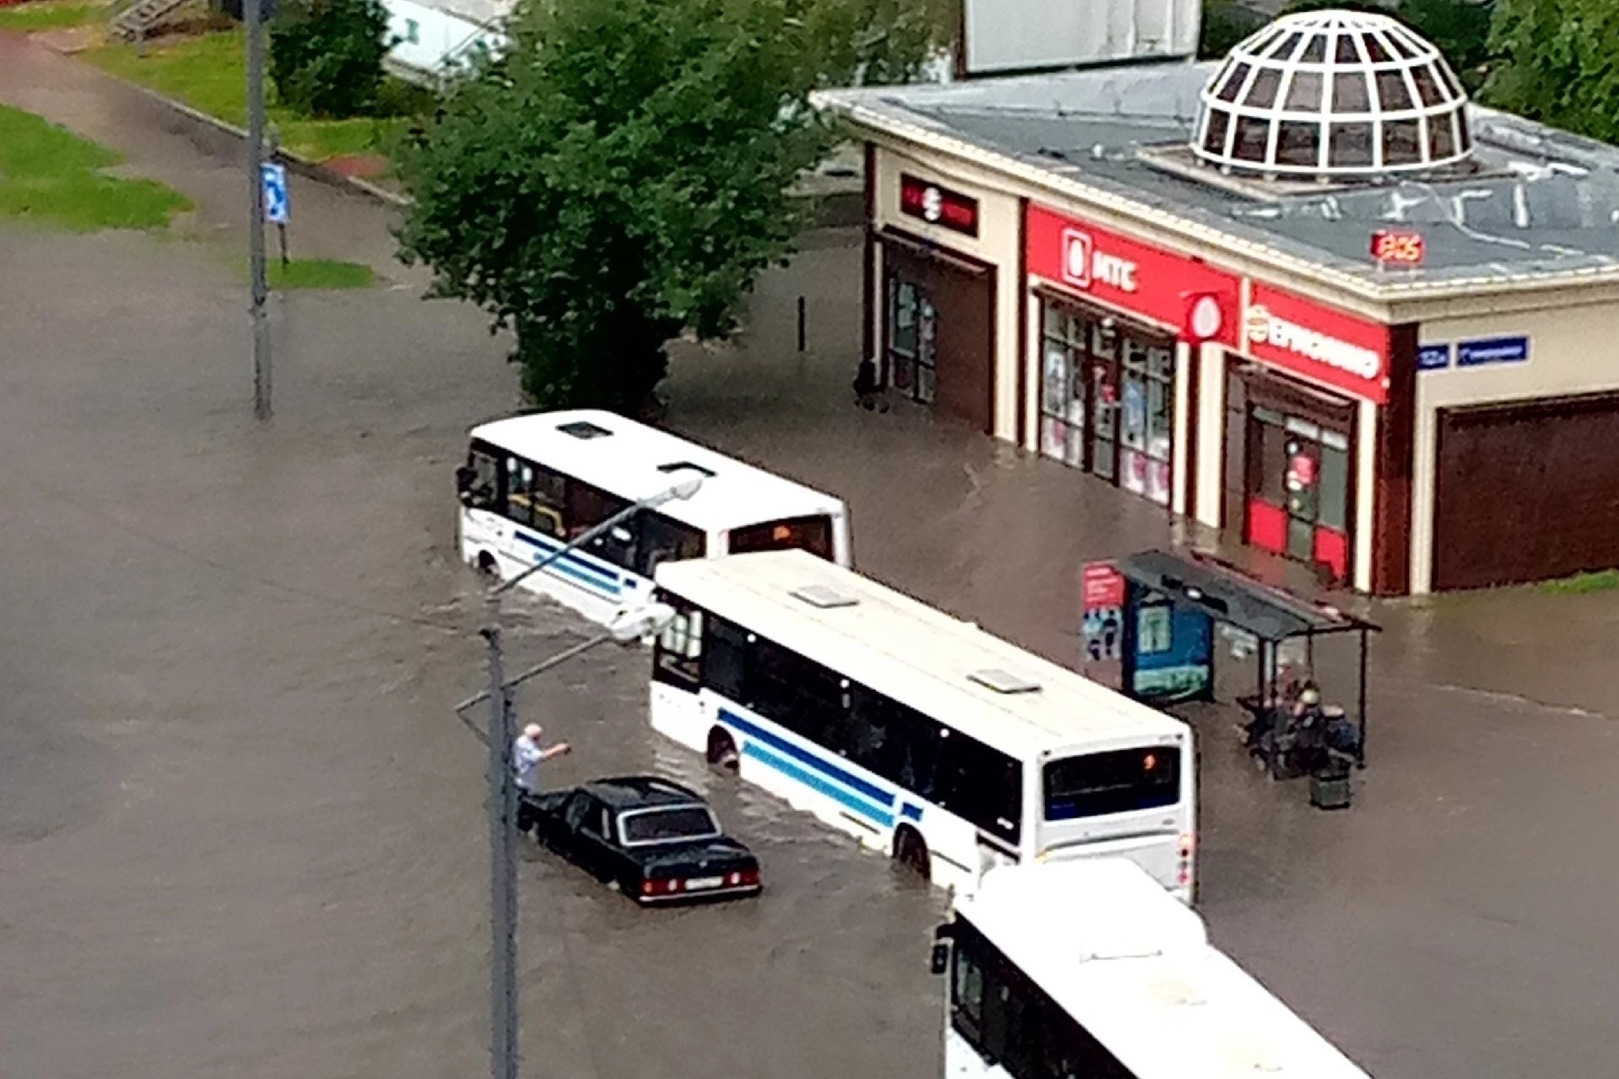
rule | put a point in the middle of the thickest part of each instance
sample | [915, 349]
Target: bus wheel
[486, 564]
[911, 852]
[722, 752]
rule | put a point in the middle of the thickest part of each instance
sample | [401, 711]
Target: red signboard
[938, 205]
[1172, 290]
[1102, 586]
[1398, 245]
[1338, 349]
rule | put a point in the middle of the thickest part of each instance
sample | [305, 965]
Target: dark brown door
[940, 333]
[1526, 492]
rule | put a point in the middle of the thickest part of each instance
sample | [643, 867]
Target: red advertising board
[1159, 285]
[1330, 346]
[1101, 586]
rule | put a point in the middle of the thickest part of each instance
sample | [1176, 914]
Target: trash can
[1329, 785]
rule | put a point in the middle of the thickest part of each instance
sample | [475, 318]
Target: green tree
[1225, 24]
[1460, 29]
[617, 176]
[326, 55]
[1557, 61]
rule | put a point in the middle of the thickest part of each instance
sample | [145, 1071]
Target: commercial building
[1309, 295]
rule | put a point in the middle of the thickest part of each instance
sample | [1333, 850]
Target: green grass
[209, 73]
[50, 175]
[318, 273]
[50, 15]
[1600, 581]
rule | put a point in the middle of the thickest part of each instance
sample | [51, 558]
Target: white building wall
[1572, 349]
[1000, 233]
[427, 35]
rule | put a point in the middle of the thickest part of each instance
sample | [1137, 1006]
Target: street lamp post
[628, 627]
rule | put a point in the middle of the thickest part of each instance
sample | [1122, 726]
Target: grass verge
[1599, 581]
[209, 73]
[50, 15]
[50, 175]
[319, 273]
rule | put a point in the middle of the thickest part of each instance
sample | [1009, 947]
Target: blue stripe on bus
[816, 783]
[832, 771]
[572, 566]
[910, 812]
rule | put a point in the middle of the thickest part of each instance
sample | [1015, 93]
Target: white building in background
[437, 36]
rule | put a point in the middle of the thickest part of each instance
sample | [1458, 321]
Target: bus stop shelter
[1171, 606]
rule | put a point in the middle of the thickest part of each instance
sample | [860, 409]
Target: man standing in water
[527, 756]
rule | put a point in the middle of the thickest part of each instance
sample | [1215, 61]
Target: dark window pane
[1262, 94]
[1233, 83]
[1285, 49]
[1401, 44]
[1392, 93]
[725, 659]
[680, 823]
[480, 480]
[1461, 128]
[1272, 449]
[1450, 80]
[981, 785]
[1350, 146]
[590, 506]
[1349, 93]
[1427, 86]
[1441, 136]
[1305, 91]
[1298, 143]
[1334, 488]
[1346, 52]
[1214, 137]
[1375, 49]
[677, 654]
[1252, 136]
[663, 539]
[1120, 781]
[1402, 142]
[1316, 50]
[812, 534]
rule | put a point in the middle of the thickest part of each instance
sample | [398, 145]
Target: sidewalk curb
[837, 209]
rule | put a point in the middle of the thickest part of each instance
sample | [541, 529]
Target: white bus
[923, 736]
[532, 483]
[1087, 970]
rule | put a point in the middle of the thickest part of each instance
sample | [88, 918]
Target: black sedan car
[654, 840]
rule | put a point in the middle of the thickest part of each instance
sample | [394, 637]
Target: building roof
[1538, 207]
[919, 656]
[635, 461]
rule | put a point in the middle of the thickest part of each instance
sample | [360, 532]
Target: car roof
[636, 792]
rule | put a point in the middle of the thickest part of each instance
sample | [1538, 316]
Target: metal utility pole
[502, 862]
[258, 283]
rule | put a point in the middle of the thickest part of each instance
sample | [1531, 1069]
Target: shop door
[1526, 492]
[939, 335]
[1298, 494]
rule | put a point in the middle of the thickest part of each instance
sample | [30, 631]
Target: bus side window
[678, 656]
[588, 507]
[725, 658]
[664, 539]
[482, 481]
[533, 496]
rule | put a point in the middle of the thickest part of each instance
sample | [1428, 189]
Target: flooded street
[241, 833]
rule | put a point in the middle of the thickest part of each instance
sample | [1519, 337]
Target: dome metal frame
[1333, 95]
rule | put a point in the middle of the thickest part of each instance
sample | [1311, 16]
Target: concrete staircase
[135, 20]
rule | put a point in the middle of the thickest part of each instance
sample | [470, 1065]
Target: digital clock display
[1391, 245]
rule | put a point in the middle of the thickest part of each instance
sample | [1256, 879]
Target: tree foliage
[616, 176]
[1557, 61]
[326, 55]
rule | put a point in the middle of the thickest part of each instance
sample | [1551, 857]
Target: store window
[1298, 487]
[1107, 399]
[913, 328]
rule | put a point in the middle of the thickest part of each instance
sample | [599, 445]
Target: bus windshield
[1118, 781]
[812, 534]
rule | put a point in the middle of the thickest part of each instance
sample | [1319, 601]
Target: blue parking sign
[274, 179]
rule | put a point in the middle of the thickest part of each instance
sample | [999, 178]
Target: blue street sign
[276, 205]
[1492, 350]
[1433, 357]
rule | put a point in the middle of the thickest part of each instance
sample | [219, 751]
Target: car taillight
[661, 886]
[748, 877]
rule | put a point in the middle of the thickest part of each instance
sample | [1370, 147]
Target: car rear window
[665, 825]
[812, 534]
[1120, 781]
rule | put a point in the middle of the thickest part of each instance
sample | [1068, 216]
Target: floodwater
[242, 834]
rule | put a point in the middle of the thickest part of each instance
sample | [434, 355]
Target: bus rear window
[1120, 781]
[812, 534]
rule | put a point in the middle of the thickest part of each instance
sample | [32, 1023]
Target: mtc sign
[1338, 349]
[1156, 286]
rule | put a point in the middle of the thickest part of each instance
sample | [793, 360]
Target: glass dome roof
[1333, 94]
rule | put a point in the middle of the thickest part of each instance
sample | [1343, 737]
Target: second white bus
[532, 483]
[922, 735]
